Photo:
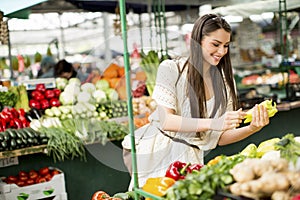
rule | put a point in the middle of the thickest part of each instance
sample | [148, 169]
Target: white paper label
[5, 162]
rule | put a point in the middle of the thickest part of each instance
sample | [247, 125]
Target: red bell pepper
[194, 167]
[178, 170]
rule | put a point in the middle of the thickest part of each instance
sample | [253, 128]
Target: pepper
[158, 186]
[194, 167]
[178, 170]
[270, 105]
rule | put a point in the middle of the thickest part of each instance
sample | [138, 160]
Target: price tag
[5, 162]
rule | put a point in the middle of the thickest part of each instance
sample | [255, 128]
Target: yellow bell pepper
[214, 161]
[268, 104]
[158, 186]
[266, 146]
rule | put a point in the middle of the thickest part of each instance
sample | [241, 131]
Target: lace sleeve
[164, 91]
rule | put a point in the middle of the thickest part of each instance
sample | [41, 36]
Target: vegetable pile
[24, 178]
[42, 98]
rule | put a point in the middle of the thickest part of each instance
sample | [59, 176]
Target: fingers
[260, 116]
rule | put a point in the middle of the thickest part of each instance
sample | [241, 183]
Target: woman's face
[215, 46]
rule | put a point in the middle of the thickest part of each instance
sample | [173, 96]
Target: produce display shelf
[24, 151]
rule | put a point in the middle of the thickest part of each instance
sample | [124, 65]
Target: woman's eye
[216, 45]
[226, 46]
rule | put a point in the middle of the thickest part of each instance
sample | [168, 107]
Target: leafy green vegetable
[205, 183]
[289, 148]
[8, 98]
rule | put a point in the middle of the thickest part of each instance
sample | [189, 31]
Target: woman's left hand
[260, 118]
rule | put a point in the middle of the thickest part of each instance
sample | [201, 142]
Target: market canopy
[19, 8]
[255, 7]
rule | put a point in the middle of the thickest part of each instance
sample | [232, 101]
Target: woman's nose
[222, 50]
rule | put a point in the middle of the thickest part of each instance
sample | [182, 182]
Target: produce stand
[24, 151]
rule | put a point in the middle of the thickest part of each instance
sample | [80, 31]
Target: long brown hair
[196, 90]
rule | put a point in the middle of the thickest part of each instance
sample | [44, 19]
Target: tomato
[44, 104]
[20, 183]
[34, 104]
[37, 95]
[40, 87]
[48, 177]
[30, 182]
[40, 180]
[100, 195]
[54, 172]
[22, 173]
[54, 102]
[12, 179]
[49, 94]
[23, 178]
[43, 171]
[56, 92]
[33, 174]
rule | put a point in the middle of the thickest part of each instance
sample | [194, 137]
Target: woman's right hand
[229, 120]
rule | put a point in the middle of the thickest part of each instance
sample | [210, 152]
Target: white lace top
[174, 97]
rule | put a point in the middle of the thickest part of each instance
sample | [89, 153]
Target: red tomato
[30, 182]
[40, 87]
[43, 171]
[34, 104]
[44, 104]
[100, 195]
[49, 94]
[41, 180]
[54, 172]
[37, 95]
[23, 178]
[12, 179]
[54, 102]
[48, 177]
[56, 92]
[33, 174]
[22, 173]
[20, 183]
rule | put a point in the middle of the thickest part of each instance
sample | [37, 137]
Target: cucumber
[13, 144]
[1, 137]
[30, 134]
[18, 133]
[6, 136]
[4, 145]
[22, 133]
[11, 132]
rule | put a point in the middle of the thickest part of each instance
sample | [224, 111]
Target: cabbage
[67, 98]
[84, 97]
[88, 87]
[75, 81]
[72, 89]
[99, 96]
[61, 83]
[112, 94]
[102, 84]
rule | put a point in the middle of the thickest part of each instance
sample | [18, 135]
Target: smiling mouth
[217, 58]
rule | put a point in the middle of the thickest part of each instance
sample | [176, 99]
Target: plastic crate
[54, 188]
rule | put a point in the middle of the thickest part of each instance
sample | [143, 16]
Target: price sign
[5, 162]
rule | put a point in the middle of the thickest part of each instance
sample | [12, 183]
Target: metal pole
[129, 95]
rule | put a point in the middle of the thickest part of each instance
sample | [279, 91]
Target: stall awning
[18, 8]
[257, 7]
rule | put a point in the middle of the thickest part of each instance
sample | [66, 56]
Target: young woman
[197, 104]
